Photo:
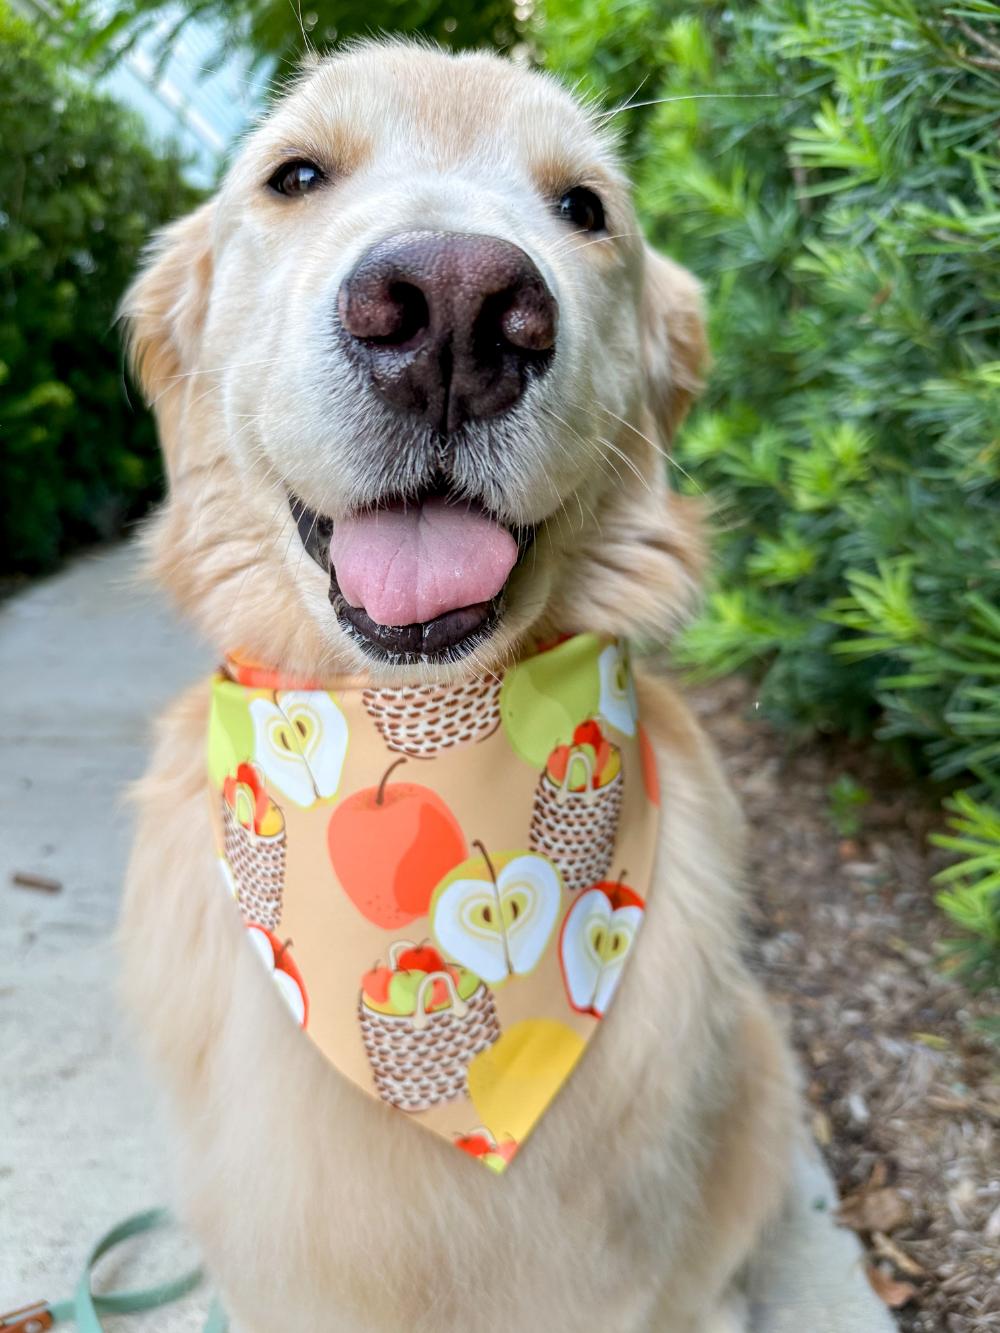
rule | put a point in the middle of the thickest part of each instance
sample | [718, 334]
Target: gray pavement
[86, 659]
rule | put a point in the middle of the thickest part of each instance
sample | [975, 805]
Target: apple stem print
[254, 845]
[422, 1022]
[578, 803]
[481, 890]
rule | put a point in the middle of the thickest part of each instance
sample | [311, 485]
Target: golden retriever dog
[423, 279]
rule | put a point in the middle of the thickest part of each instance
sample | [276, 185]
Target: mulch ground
[904, 1093]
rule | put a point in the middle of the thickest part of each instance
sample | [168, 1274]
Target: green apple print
[230, 732]
[544, 698]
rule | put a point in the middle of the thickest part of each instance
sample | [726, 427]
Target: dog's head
[414, 369]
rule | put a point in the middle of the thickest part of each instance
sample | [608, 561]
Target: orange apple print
[484, 1147]
[245, 671]
[390, 846]
[650, 775]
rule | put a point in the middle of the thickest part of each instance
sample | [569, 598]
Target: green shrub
[971, 892]
[277, 33]
[831, 169]
[80, 192]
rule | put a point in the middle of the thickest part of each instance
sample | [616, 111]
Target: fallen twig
[27, 880]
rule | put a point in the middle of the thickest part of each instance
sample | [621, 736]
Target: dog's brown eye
[582, 208]
[297, 177]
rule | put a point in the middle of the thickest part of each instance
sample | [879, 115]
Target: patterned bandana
[444, 881]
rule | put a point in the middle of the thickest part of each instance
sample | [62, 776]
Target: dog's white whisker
[665, 454]
[687, 97]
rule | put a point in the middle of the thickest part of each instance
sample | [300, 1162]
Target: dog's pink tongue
[409, 564]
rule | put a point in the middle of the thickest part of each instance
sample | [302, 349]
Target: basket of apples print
[578, 803]
[253, 831]
[422, 1022]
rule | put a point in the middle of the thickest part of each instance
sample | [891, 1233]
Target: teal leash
[86, 1308]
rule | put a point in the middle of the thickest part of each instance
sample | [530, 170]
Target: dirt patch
[904, 1094]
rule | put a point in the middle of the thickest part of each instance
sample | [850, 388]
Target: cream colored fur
[644, 1189]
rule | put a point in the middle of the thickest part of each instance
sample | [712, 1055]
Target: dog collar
[445, 882]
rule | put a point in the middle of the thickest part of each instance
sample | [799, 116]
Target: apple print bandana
[445, 882]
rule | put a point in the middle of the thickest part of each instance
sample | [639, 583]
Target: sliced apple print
[495, 915]
[618, 704]
[277, 959]
[595, 940]
[300, 743]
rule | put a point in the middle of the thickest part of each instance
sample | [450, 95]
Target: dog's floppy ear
[673, 339]
[643, 576]
[164, 309]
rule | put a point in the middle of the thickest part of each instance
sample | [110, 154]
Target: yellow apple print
[513, 1081]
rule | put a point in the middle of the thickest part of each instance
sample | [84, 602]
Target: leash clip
[29, 1319]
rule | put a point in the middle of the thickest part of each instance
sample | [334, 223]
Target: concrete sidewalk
[85, 662]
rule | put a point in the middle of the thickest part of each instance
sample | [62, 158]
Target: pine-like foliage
[832, 170]
[81, 189]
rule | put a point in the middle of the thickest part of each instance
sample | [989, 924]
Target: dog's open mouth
[416, 579]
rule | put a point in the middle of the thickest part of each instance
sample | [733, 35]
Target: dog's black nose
[448, 326]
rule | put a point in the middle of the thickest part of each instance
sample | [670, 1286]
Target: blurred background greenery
[829, 168]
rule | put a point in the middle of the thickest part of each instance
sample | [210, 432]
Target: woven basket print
[415, 1068]
[258, 866]
[423, 720]
[577, 829]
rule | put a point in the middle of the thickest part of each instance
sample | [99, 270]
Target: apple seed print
[424, 873]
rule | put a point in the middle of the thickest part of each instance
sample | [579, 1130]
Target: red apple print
[619, 894]
[476, 1145]
[482, 1144]
[650, 776]
[248, 777]
[424, 958]
[558, 762]
[276, 956]
[390, 846]
[588, 733]
[375, 984]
